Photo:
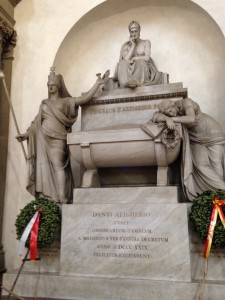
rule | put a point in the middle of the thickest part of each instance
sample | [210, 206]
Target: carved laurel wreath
[170, 138]
[50, 220]
[200, 216]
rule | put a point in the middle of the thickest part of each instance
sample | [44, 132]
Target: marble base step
[93, 288]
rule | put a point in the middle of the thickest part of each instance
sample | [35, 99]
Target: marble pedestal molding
[94, 288]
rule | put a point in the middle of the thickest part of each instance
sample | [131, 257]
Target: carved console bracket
[90, 178]
[162, 163]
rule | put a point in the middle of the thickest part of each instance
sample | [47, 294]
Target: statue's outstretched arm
[88, 96]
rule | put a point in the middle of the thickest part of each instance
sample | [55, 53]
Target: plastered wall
[82, 38]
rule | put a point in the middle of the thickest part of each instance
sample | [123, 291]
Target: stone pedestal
[123, 238]
[123, 244]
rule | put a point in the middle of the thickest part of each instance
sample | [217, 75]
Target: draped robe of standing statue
[47, 137]
[203, 156]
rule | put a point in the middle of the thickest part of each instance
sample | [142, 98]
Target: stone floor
[12, 298]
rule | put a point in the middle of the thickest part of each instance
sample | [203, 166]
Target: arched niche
[186, 43]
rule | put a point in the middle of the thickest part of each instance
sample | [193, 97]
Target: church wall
[187, 42]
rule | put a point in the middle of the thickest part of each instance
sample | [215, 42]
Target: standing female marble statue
[135, 65]
[48, 158]
[203, 149]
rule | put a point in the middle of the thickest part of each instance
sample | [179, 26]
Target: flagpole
[2, 76]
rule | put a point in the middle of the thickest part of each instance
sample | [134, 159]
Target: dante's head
[134, 29]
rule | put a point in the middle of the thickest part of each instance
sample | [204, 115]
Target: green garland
[50, 220]
[200, 216]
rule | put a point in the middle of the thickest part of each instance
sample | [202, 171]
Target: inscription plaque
[126, 241]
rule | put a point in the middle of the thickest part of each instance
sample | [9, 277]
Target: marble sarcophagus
[135, 145]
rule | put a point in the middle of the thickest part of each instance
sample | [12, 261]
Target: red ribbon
[217, 208]
[34, 237]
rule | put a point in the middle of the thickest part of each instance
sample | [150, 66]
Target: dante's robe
[143, 72]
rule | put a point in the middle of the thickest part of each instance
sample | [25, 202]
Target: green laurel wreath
[200, 216]
[50, 220]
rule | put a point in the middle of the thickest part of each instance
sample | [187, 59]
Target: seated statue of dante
[203, 145]
[136, 67]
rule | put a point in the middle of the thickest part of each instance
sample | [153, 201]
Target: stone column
[7, 43]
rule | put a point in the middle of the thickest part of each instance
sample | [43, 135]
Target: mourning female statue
[48, 158]
[135, 65]
[203, 149]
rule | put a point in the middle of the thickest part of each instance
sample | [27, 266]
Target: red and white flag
[32, 229]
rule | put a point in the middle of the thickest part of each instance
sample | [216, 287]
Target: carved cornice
[182, 94]
[14, 2]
